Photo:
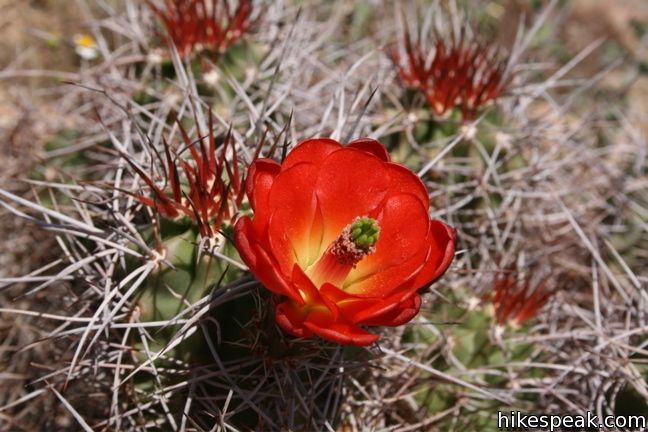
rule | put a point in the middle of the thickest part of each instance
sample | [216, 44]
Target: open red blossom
[518, 301]
[207, 189]
[455, 72]
[343, 235]
[213, 25]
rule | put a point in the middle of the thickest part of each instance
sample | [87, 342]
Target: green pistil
[364, 232]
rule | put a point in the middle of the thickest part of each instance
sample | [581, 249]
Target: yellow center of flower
[357, 240]
[85, 41]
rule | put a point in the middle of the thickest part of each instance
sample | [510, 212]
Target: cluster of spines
[212, 25]
[517, 301]
[458, 71]
[209, 191]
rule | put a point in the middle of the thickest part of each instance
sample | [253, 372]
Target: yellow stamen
[356, 241]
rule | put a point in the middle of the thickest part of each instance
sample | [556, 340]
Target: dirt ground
[35, 36]
[28, 117]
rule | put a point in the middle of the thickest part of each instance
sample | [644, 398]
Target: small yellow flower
[85, 46]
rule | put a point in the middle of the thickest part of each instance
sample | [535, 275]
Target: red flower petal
[350, 184]
[440, 254]
[262, 265]
[312, 151]
[311, 294]
[293, 221]
[361, 311]
[261, 176]
[373, 311]
[371, 146]
[336, 294]
[402, 180]
[291, 319]
[400, 249]
[322, 324]
[402, 313]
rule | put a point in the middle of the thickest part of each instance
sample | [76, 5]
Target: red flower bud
[343, 235]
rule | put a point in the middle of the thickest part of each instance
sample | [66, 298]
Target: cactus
[147, 318]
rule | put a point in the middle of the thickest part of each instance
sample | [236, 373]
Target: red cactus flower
[516, 301]
[457, 72]
[204, 24]
[210, 190]
[343, 235]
